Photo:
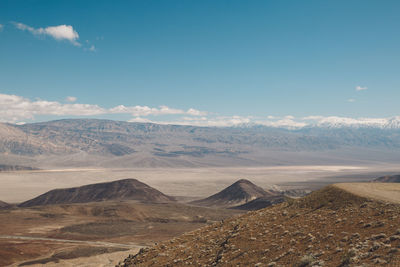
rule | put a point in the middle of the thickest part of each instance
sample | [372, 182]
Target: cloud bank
[60, 32]
[16, 109]
[360, 88]
[71, 99]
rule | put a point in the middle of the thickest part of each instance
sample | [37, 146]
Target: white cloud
[351, 100]
[1, 27]
[195, 112]
[71, 99]
[139, 119]
[92, 48]
[312, 118]
[360, 88]
[219, 121]
[60, 32]
[15, 108]
[138, 111]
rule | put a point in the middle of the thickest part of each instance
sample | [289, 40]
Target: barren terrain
[136, 224]
[389, 192]
[49, 234]
[189, 183]
[330, 227]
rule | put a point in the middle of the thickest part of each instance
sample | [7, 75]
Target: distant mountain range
[8, 168]
[388, 179]
[330, 122]
[121, 190]
[106, 143]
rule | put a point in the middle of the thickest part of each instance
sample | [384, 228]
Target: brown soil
[125, 189]
[130, 224]
[330, 227]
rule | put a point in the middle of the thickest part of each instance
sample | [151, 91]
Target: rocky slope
[260, 203]
[329, 227]
[4, 205]
[388, 179]
[106, 143]
[127, 189]
[236, 194]
[15, 141]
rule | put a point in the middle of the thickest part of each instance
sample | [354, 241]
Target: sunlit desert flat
[187, 182]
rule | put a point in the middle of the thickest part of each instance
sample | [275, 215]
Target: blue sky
[230, 60]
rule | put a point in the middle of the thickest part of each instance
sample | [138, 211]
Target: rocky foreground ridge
[329, 227]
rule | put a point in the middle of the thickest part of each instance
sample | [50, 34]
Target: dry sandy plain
[387, 192]
[186, 182]
[83, 223]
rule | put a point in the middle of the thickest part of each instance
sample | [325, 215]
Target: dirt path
[102, 260]
[389, 192]
[91, 243]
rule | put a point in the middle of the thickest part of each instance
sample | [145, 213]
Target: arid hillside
[334, 226]
[236, 194]
[126, 189]
[84, 234]
[4, 205]
[261, 202]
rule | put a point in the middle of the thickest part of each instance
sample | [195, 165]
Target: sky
[209, 62]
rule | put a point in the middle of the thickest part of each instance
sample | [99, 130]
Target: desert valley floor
[104, 233]
[187, 182]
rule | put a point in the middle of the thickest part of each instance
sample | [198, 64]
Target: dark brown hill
[329, 227]
[127, 189]
[388, 179]
[238, 193]
[261, 202]
[4, 205]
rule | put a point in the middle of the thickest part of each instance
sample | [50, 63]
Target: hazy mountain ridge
[331, 122]
[6, 168]
[388, 179]
[147, 144]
